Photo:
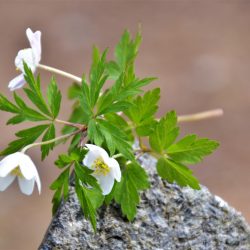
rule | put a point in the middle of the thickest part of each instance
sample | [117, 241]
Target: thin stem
[50, 141]
[60, 72]
[76, 125]
[200, 116]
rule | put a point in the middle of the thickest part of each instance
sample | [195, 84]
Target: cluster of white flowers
[19, 164]
[106, 169]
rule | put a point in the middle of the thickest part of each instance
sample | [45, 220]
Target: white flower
[20, 165]
[106, 169]
[31, 56]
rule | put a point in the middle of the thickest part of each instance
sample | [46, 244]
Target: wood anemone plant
[111, 119]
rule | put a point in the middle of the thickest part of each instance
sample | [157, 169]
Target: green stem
[50, 141]
[76, 125]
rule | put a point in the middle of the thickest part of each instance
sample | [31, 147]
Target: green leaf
[16, 119]
[63, 161]
[191, 150]
[76, 155]
[88, 207]
[49, 135]
[116, 139]
[113, 70]
[126, 50]
[115, 107]
[176, 172]
[134, 179]
[110, 100]
[60, 180]
[27, 136]
[120, 123]
[61, 185]
[165, 133]
[146, 127]
[84, 174]
[35, 93]
[144, 107]
[37, 101]
[37, 130]
[22, 111]
[74, 91]
[97, 76]
[54, 98]
[29, 113]
[8, 106]
[88, 192]
[94, 132]
[85, 101]
[96, 196]
[142, 112]
[74, 142]
[115, 99]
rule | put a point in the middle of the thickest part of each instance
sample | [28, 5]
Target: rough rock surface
[169, 217]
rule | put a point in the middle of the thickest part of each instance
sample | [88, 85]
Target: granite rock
[169, 217]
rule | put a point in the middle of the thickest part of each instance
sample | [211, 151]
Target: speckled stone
[169, 217]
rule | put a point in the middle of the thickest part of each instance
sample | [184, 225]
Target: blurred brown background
[199, 50]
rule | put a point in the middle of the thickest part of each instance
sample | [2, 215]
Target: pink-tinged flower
[106, 169]
[31, 56]
[21, 166]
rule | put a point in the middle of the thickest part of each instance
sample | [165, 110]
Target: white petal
[106, 183]
[8, 163]
[27, 56]
[115, 168]
[35, 43]
[94, 153]
[16, 83]
[27, 167]
[6, 181]
[101, 151]
[26, 186]
[89, 158]
[38, 183]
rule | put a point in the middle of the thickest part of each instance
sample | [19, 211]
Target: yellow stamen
[100, 167]
[17, 172]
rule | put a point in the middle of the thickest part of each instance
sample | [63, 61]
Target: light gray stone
[169, 217]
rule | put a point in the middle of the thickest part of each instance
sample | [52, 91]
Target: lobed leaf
[54, 98]
[165, 133]
[27, 136]
[49, 135]
[176, 172]
[191, 150]
[134, 179]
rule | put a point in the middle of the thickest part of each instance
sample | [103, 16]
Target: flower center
[16, 172]
[100, 167]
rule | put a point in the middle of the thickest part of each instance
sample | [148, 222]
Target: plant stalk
[200, 116]
[60, 72]
[50, 141]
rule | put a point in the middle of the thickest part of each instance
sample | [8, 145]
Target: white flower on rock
[106, 169]
[21, 166]
[31, 56]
